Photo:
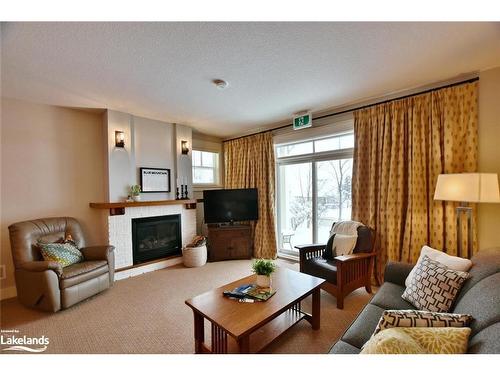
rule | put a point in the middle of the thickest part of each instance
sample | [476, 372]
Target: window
[205, 167]
[314, 189]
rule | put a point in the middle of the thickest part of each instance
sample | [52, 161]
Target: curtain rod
[470, 80]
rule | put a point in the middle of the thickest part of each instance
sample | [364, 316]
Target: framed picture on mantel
[155, 180]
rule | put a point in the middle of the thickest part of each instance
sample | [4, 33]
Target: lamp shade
[468, 187]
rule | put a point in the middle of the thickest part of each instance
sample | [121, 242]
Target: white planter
[136, 198]
[264, 281]
[194, 256]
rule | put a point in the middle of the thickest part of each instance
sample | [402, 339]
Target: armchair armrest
[397, 272]
[307, 252]
[97, 252]
[353, 257]
[42, 265]
[309, 248]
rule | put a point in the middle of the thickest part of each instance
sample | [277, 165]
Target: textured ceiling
[164, 70]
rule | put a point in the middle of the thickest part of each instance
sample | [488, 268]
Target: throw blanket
[346, 236]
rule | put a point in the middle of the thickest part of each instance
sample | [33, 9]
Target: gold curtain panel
[249, 163]
[400, 149]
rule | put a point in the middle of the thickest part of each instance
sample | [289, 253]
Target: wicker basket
[194, 256]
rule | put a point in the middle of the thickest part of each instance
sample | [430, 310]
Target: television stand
[226, 242]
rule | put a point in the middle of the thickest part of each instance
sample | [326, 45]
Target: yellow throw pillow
[392, 341]
[418, 341]
[442, 340]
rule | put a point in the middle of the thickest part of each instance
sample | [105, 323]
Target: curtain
[400, 149]
[249, 163]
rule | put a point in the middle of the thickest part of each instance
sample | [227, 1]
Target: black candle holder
[184, 192]
[177, 193]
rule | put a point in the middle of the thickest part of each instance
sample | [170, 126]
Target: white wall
[148, 143]
[121, 161]
[154, 148]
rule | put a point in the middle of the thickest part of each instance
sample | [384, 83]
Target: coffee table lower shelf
[257, 340]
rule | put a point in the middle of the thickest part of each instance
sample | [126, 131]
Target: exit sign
[302, 121]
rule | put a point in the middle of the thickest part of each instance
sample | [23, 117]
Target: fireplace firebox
[156, 237]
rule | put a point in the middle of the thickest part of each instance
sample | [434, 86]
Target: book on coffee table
[250, 291]
[259, 293]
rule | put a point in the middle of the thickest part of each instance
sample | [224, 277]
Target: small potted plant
[135, 192]
[263, 268]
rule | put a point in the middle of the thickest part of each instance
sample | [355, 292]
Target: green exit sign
[302, 121]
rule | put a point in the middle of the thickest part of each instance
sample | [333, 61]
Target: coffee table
[239, 327]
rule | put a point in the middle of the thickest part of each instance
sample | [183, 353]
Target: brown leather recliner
[45, 285]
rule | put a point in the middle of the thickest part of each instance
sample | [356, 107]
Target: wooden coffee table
[252, 326]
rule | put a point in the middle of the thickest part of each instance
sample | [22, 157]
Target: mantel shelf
[118, 208]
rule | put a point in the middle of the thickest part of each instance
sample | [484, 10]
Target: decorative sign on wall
[302, 120]
[155, 180]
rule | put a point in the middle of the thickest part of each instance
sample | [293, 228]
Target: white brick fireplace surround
[120, 235]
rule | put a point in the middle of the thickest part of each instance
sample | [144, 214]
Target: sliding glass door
[313, 189]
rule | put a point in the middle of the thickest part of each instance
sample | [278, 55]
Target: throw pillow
[343, 244]
[427, 340]
[416, 318]
[328, 252]
[452, 262]
[392, 341]
[434, 286]
[65, 253]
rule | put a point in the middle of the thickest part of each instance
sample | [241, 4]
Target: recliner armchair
[45, 285]
[345, 273]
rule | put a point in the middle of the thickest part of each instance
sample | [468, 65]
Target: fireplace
[156, 237]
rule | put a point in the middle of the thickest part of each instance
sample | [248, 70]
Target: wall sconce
[119, 139]
[184, 147]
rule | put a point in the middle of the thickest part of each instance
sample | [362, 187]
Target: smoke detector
[220, 83]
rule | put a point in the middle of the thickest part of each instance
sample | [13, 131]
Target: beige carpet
[147, 314]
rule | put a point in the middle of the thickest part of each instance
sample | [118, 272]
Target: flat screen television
[230, 205]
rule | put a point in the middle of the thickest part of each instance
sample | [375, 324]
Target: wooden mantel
[118, 208]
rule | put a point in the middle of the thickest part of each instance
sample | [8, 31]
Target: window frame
[312, 158]
[217, 168]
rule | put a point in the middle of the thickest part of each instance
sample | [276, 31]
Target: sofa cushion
[341, 347]
[486, 341]
[388, 297]
[362, 328]
[322, 268]
[482, 301]
[80, 272]
[433, 286]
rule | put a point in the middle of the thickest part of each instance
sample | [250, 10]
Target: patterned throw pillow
[392, 341]
[434, 286]
[416, 318]
[65, 253]
[419, 341]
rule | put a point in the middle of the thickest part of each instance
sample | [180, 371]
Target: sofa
[45, 285]
[479, 296]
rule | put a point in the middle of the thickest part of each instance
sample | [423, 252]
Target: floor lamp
[467, 188]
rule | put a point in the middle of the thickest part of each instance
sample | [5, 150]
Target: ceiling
[164, 70]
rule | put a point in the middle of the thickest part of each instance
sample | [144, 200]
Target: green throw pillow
[65, 253]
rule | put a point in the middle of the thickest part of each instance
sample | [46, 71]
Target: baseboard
[120, 275]
[7, 293]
